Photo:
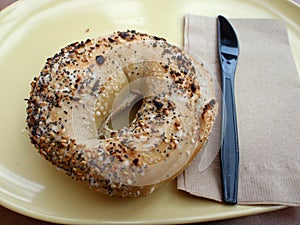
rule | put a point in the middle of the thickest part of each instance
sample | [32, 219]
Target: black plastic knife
[229, 152]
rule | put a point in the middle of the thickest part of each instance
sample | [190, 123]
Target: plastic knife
[229, 153]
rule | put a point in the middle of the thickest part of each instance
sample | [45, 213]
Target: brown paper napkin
[268, 111]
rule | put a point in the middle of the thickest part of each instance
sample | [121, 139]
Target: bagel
[80, 92]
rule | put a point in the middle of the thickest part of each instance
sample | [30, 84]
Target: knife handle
[229, 152]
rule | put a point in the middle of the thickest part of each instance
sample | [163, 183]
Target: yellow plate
[31, 31]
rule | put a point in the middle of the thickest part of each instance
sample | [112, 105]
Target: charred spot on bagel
[208, 107]
[158, 104]
[110, 39]
[179, 80]
[194, 87]
[123, 35]
[159, 38]
[166, 66]
[136, 162]
[127, 35]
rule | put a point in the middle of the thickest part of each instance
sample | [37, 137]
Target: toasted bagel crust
[81, 88]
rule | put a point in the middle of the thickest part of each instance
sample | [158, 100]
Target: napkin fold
[267, 89]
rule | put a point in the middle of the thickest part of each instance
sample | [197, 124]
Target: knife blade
[228, 47]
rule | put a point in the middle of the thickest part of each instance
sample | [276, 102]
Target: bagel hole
[123, 118]
[127, 115]
[135, 108]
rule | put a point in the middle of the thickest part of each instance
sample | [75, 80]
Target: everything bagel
[82, 89]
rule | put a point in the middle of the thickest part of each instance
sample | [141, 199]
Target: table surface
[284, 216]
